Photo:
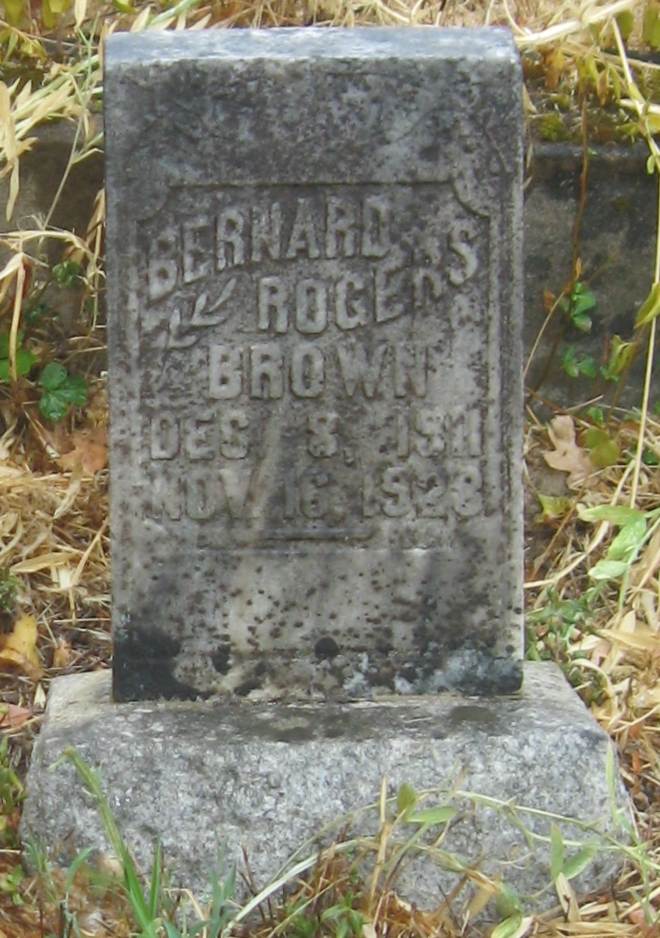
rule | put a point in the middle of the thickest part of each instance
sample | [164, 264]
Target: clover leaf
[61, 391]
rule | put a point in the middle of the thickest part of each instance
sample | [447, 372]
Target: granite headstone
[314, 313]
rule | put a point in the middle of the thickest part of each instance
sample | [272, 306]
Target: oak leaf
[567, 456]
[89, 452]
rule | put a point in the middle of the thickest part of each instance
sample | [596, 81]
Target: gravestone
[314, 284]
[314, 313]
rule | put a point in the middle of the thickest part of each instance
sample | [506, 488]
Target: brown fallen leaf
[12, 716]
[89, 451]
[567, 456]
[62, 654]
[19, 648]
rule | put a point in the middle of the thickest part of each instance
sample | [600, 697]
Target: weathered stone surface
[315, 375]
[231, 775]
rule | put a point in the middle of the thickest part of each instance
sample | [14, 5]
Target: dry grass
[53, 519]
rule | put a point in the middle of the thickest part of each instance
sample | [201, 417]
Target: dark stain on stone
[473, 715]
[137, 679]
[326, 647]
[592, 738]
[293, 734]
[220, 659]
[334, 728]
[252, 683]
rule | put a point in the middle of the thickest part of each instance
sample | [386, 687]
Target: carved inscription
[314, 334]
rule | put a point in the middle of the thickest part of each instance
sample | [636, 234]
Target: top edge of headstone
[416, 42]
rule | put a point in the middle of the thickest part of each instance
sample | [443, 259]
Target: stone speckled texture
[315, 373]
[238, 774]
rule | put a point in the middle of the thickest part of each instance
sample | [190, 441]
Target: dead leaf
[89, 451]
[34, 564]
[567, 456]
[642, 639]
[39, 699]
[62, 654]
[20, 647]
[567, 898]
[647, 929]
[12, 716]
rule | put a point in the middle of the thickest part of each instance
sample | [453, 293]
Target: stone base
[226, 775]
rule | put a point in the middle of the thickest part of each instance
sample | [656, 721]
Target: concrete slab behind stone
[231, 775]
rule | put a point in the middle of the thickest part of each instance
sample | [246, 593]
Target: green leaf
[80, 859]
[63, 391]
[578, 862]
[603, 450]
[608, 570]
[554, 506]
[4, 343]
[581, 321]
[507, 901]
[67, 273]
[628, 541]
[621, 356]
[556, 852]
[596, 415]
[35, 314]
[626, 22]
[651, 25]
[615, 514]
[24, 361]
[406, 798]
[74, 390]
[649, 308]
[52, 376]
[14, 11]
[575, 365]
[156, 880]
[438, 815]
[582, 300]
[447, 861]
[509, 927]
[588, 367]
[53, 407]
